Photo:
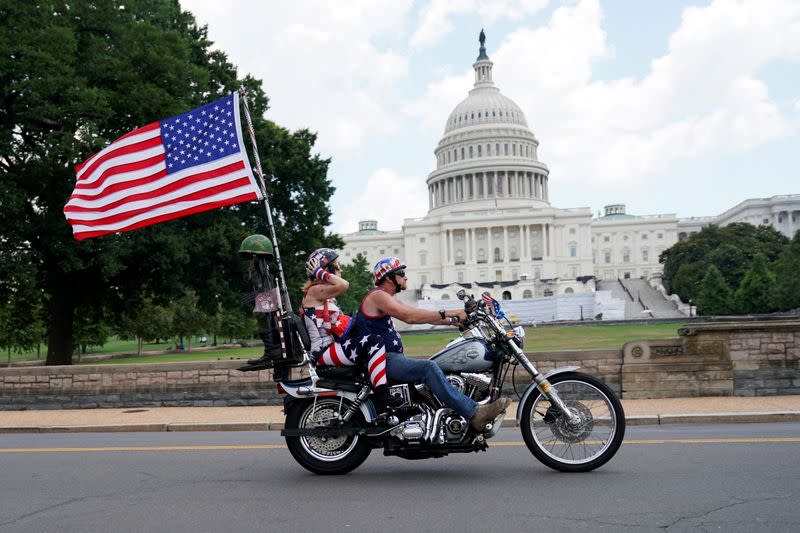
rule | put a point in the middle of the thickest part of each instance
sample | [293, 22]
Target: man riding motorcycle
[374, 317]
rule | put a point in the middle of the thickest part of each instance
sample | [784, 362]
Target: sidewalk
[708, 410]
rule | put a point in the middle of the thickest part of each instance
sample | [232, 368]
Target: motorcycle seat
[337, 372]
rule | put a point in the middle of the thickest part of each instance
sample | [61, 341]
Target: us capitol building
[490, 220]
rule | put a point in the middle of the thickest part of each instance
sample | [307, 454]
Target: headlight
[517, 335]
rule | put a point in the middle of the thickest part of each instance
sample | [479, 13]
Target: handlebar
[476, 312]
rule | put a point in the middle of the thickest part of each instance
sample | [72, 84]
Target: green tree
[754, 294]
[714, 295]
[235, 324]
[75, 76]
[731, 249]
[148, 321]
[188, 319]
[359, 275]
[90, 331]
[21, 326]
[787, 274]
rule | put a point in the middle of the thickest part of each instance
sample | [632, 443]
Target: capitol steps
[643, 293]
[633, 309]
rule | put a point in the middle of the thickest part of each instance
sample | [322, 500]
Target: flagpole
[260, 174]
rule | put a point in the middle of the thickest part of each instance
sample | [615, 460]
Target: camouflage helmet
[256, 245]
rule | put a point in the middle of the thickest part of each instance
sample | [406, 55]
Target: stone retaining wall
[735, 358]
[207, 383]
[765, 356]
[715, 359]
[201, 384]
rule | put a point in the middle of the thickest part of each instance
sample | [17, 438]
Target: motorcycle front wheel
[324, 455]
[580, 444]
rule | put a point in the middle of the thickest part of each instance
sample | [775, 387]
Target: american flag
[169, 169]
[489, 301]
[493, 305]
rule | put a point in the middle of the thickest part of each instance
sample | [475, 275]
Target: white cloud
[701, 97]
[436, 16]
[318, 60]
[388, 198]
[797, 105]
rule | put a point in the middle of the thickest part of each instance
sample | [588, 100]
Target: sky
[676, 106]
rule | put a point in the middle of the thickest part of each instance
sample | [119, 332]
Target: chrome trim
[533, 385]
[473, 333]
[560, 370]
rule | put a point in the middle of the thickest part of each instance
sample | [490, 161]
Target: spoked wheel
[324, 455]
[584, 442]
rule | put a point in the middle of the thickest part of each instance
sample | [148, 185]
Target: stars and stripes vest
[378, 325]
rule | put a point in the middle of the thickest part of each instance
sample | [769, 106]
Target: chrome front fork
[544, 386]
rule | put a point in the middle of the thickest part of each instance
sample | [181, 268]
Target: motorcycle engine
[411, 429]
[475, 386]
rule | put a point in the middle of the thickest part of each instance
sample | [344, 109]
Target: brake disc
[322, 418]
[563, 429]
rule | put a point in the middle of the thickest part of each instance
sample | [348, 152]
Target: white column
[450, 258]
[474, 250]
[505, 244]
[523, 235]
[490, 245]
[443, 253]
[546, 233]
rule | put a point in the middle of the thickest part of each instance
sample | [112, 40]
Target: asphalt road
[673, 478]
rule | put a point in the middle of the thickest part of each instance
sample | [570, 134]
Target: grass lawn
[114, 345]
[582, 337]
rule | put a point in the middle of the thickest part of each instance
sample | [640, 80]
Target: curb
[643, 420]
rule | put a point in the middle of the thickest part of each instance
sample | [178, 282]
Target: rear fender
[533, 387]
[303, 390]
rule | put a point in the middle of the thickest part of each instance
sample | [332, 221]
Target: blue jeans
[401, 369]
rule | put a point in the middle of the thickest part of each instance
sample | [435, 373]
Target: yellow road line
[148, 448]
[282, 446]
[677, 441]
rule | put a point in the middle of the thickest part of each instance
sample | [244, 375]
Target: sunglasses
[401, 273]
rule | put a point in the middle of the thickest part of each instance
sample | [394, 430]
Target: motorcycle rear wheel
[324, 455]
[574, 447]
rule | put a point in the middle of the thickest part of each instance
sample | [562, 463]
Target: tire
[324, 456]
[574, 449]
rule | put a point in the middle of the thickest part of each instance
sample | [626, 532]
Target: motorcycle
[570, 421]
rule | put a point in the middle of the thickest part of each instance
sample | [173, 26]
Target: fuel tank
[464, 355]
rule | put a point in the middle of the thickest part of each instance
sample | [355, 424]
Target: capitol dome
[485, 105]
[488, 155]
